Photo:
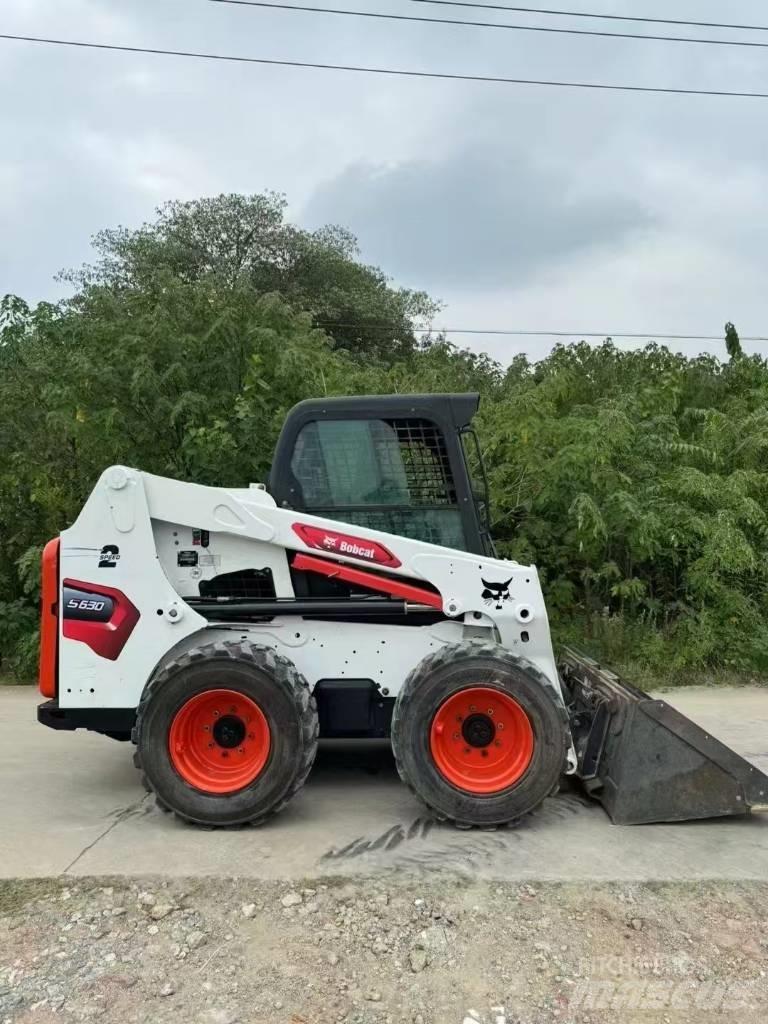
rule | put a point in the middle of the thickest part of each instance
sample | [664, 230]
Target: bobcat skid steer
[224, 630]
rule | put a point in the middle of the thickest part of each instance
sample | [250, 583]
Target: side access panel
[644, 761]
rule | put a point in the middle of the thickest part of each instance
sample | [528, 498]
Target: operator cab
[401, 464]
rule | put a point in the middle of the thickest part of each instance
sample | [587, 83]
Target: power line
[647, 335]
[392, 72]
[380, 15]
[602, 17]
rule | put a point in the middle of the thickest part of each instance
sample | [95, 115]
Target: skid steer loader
[358, 594]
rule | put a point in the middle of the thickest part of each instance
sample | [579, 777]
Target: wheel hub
[478, 730]
[229, 732]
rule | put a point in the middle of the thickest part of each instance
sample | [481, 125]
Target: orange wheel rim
[481, 740]
[219, 741]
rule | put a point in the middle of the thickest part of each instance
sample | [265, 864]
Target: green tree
[236, 240]
[639, 482]
[733, 342]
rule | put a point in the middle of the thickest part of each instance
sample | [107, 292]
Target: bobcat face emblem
[496, 593]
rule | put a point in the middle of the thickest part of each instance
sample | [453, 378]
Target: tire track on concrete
[427, 844]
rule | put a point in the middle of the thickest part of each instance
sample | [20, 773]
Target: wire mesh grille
[247, 584]
[348, 463]
[425, 461]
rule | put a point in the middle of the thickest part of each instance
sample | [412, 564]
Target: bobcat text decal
[343, 544]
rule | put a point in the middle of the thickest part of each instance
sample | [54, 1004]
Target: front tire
[478, 735]
[226, 734]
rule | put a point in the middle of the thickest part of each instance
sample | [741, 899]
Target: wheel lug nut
[484, 753]
[456, 736]
[498, 743]
[490, 711]
[500, 725]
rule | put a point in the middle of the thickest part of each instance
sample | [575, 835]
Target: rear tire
[226, 734]
[492, 762]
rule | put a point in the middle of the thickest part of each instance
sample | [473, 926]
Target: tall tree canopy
[232, 241]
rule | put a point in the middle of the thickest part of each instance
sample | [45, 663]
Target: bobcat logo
[496, 593]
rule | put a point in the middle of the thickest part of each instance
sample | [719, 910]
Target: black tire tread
[444, 656]
[267, 660]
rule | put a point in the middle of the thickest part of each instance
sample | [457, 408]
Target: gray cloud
[490, 215]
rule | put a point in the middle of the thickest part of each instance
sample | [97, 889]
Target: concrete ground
[72, 804]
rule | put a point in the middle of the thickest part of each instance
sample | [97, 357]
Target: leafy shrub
[19, 639]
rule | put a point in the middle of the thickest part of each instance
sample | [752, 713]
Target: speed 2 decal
[109, 556]
[496, 593]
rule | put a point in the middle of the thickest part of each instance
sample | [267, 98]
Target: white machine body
[135, 528]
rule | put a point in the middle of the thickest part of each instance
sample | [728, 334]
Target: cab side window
[390, 475]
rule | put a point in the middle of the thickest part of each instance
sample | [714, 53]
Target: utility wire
[602, 17]
[380, 15]
[322, 324]
[392, 72]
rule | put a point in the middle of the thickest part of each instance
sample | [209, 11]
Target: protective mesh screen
[348, 463]
[248, 584]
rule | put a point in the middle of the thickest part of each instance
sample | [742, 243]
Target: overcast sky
[518, 207]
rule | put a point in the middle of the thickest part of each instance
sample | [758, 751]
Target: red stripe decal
[368, 579]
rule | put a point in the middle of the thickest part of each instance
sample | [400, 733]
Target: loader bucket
[644, 761]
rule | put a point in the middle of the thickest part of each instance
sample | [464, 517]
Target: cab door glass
[390, 475]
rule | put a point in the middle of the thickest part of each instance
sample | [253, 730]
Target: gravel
[388, 950]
